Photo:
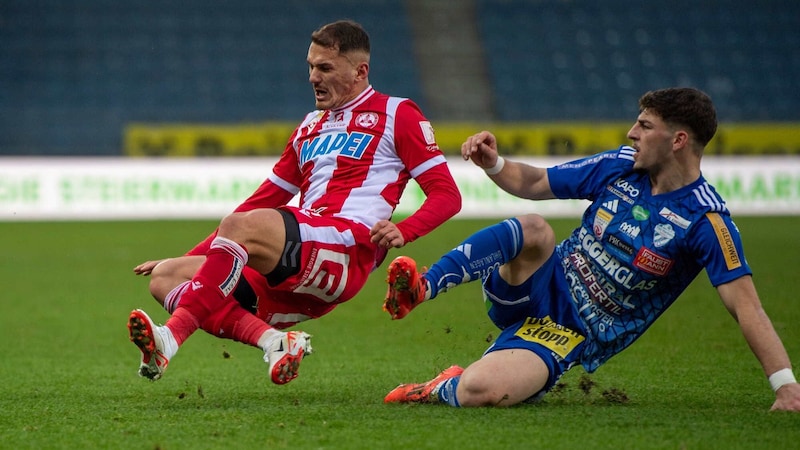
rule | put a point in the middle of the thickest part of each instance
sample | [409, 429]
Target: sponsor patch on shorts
[558, 338]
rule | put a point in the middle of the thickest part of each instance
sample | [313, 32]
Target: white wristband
[498, 166]
[781, 377]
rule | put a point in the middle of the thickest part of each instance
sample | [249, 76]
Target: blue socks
[476, 257]
[447, 391]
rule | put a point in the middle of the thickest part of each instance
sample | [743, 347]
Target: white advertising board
[141, 188]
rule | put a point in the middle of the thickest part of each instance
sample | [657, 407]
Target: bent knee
[158, 289]
[170, 273]
[536, 231]
[251, 226]
[161, 283]
[538, 244]
[477, 391]
[502, 378]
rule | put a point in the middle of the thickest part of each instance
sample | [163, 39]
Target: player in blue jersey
[653, 224]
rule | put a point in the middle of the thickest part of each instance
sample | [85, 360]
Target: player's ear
[362, 71]
[680, 139]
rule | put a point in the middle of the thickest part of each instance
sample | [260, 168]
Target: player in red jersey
[350, 161]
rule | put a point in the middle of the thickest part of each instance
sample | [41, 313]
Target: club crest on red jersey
[367, 119]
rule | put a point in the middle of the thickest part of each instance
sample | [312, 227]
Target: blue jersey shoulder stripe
[708, 198]
[626, 152]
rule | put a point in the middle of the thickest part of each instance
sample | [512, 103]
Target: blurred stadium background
[112, 77]
[84, 84]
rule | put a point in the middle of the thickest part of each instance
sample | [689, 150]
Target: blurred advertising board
[529, 139]
[209, 188]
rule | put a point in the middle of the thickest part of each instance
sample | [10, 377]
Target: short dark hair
[344, 35]
[683, 106]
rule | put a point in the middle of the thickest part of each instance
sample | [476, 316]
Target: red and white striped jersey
[354, 161]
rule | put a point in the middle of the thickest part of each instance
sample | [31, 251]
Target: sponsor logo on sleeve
[427, 132]
[725, 239]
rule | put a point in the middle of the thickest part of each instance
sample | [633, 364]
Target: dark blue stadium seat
[73, 74]
[605, 54]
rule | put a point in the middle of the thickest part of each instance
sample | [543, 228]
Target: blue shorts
[539, 316]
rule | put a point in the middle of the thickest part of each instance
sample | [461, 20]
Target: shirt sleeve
[416, 146]
[414, 139]
[719, 248]
[442, 201]
[584, 178]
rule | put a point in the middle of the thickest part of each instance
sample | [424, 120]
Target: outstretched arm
[741, 300]
[516, 178]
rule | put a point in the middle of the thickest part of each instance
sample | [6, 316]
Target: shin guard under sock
[476, 257]
[213, 282]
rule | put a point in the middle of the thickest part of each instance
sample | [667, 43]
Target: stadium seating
[73, 74]
[562, 60]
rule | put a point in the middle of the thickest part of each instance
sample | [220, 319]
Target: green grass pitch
[68, 375]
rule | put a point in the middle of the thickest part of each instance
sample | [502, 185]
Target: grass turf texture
[68, 377]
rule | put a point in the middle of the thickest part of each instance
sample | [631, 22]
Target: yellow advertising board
[265, 139]
[533, 139]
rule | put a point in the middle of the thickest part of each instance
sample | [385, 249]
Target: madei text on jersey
[352, 144]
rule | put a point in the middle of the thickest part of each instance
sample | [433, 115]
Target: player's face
[336, 78]
[652, 138]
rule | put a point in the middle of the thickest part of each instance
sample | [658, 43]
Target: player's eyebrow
[644, 122]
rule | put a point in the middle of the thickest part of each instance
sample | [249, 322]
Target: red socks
[214, 281]
[235, 322]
